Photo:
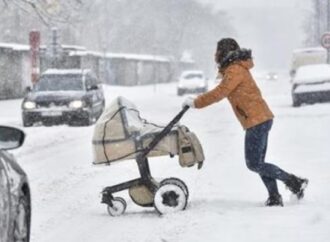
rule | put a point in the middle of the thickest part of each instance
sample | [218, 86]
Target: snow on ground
[226, 202]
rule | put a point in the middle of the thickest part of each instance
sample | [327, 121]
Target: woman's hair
[224, 46]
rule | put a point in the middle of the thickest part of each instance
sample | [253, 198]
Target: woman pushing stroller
[239, 87]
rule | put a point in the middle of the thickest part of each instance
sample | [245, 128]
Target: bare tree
[48, 11]
[162, 27]
[18, 17]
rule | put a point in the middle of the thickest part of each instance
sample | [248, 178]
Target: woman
[253, 113]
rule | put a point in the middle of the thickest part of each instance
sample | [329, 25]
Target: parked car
[72, 96]
[311, 84]
[192, 81]
[15, 201]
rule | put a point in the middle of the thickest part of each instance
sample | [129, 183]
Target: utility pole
[325, 39]
[328, 28]
[317, 21]
[34, 41]
[328, 15]
[54, 49]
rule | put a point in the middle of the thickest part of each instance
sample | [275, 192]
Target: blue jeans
[256, 139]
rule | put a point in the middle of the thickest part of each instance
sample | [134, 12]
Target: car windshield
[60, 83]
[193, 76]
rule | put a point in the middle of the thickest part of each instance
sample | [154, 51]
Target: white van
[307, 56]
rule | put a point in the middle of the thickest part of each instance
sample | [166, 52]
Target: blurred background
[182, 33]
[177, 28]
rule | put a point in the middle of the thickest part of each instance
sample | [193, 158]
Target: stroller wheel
[170, 198]
[177, 181]
[118, 207]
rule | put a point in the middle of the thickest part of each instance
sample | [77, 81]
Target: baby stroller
[121, 134]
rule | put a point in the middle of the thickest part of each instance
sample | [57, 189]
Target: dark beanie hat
[224, 46]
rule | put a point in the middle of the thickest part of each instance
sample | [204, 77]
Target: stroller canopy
[120, 133]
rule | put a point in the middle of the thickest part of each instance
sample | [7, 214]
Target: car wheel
[27, 122]
[296, 102]
[88, 120]
[23, 219]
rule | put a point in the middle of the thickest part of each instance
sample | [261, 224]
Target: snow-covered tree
[317, 22]
[165, 27]
[18, 17]
[162, 27]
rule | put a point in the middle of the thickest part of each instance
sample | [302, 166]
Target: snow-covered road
[226, 202]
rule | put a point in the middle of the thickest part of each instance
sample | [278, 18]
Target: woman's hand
[189, 101]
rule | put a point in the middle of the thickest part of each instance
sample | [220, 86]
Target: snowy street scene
[164, 121]
[226, 199]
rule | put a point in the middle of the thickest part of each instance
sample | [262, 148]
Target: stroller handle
[185, 108]
[164, 132]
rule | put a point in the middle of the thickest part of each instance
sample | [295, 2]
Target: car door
[4, 201]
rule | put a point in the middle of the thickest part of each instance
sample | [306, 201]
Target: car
[311, 84]
[15, 199]
[271, 76]
[192, 81]
[71, 96]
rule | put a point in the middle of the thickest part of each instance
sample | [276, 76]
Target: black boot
[274, 200]
[297, 185]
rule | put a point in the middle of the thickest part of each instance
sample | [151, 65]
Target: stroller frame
[142, 162]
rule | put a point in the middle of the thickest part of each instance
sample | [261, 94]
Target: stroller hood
[120, 133]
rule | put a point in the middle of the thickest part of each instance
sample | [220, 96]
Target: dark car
[15, 202]
[71, 96]
[311, 84]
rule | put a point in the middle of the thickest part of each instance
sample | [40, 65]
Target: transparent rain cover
[120, 133]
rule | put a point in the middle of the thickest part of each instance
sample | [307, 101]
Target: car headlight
[29, 105]
[76, 104]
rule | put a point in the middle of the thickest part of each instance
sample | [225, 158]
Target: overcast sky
[272, 29]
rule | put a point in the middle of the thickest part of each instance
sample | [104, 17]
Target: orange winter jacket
[242, 92]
